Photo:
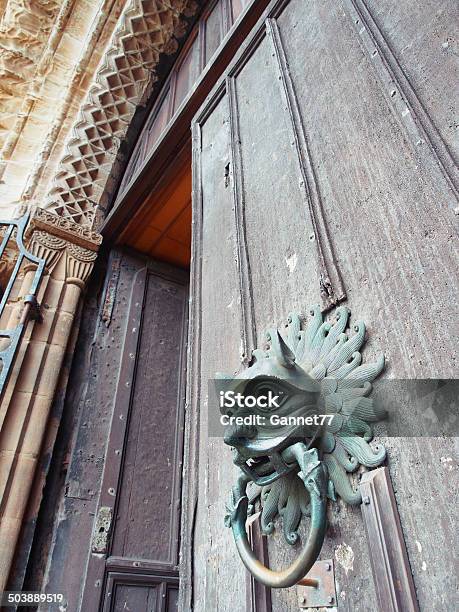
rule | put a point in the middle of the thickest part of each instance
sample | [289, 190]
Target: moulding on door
[389, 558]
[330, 282]
[236, 172]
[402, 97]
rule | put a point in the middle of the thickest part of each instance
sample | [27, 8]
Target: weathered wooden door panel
[386, 200]
[89, 405]
[419, 42]
[135, 560]
[142, 592]
[314, 182]
[220, 340]
[149, 490]
[278, 226]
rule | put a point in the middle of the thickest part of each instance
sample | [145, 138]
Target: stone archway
[72, 76]
[94, 65]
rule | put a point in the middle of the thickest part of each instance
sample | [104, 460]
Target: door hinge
[102, 530]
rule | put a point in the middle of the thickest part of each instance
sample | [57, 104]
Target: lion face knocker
[296, 453]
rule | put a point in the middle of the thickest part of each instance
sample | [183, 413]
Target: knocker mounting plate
[324, 594]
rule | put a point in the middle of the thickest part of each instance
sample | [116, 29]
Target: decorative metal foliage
[331, 356]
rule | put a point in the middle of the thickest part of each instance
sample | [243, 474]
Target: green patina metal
[292, 471]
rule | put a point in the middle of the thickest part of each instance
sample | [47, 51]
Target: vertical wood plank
[193, 388]
[213, 548]
[277, 225]
[147, 513]
[94, 574]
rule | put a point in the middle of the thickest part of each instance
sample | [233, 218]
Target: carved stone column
[69, 251]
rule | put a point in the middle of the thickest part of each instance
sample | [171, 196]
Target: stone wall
[49, 51]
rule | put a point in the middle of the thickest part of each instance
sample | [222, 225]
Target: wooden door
[323, 174]
[135, 545]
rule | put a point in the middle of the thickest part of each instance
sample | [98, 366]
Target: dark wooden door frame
[102, 569]
[176, 137]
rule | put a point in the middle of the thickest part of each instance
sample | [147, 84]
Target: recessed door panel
[134, 555]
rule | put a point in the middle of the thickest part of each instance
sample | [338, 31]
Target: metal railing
[31, 307]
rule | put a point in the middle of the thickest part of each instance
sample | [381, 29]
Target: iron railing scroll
[10, 338]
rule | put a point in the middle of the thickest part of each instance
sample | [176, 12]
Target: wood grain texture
[141, 481]
[418, 43]
[109, 489]
[221, 343]
[330, 282]
[277, 224]
[386, 204]
[389, 559]
[190, 474]
[89, 407]
[149, 491]
[425, 476]
[162, 226]
[132, 589]
[387, 210]
[140, 598]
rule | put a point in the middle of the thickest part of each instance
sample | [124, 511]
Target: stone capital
[63, 228]
[58, 239]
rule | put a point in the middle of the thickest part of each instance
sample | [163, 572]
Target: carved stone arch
[146, 29]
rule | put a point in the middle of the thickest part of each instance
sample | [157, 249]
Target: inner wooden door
[135, 546]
